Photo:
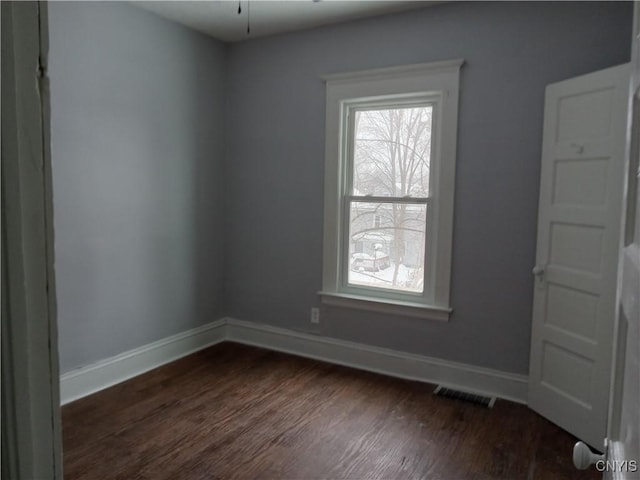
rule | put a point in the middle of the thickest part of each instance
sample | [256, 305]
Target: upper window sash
[349, 109]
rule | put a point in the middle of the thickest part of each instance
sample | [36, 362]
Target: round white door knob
[583, 456]
[537, 270]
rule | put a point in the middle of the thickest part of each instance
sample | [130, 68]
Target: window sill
[393, 307]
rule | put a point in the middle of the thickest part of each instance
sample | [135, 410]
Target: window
[389, 179]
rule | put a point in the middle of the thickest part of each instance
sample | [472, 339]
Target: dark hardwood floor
[233, 411]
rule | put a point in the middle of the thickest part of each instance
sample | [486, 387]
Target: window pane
[392, 150]
[387, 245]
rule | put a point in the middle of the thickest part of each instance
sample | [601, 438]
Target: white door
[579, 223]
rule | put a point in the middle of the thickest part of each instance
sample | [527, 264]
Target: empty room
[322, 239]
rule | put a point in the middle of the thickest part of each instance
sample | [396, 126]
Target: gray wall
[275, 158]
[137, 147]
[142, 170]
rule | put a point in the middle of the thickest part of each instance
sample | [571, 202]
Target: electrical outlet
[315, 315]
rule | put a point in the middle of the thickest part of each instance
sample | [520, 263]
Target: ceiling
[220, 18]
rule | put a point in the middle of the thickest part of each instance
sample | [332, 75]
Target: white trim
[393, 307]
[105, 373]
[31, 433]
[439, 79]
[442, 66]
[617, 455]
[485, 381]
[385, 361]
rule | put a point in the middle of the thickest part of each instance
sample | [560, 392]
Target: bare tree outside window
[391, 159]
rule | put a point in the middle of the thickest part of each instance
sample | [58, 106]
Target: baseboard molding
[381, 360]
[98, 376]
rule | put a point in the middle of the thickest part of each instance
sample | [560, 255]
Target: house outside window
[389, 179]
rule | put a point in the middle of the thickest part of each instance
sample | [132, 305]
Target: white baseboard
[105, 373]
[93, 378]
[409, 366]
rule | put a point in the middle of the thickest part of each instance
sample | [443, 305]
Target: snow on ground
[384, 278]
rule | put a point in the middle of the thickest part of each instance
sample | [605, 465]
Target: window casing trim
[436, 84]
[379, 305]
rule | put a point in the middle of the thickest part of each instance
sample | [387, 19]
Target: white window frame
[434, 83]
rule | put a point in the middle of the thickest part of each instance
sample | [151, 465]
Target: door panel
[590, 175]
[576, 119]
[579, 221]
[572, 311]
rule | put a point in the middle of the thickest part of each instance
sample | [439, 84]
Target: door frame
[30, 403]
[626, 347]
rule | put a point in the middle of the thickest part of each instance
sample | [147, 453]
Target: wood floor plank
[239, 412]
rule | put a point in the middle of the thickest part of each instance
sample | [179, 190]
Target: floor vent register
[465, 396]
